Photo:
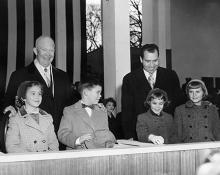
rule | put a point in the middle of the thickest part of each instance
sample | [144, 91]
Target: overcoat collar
[29, 121]
[204, 104]
[154, 114]
[84, 115]
[159, 78]
[34, 71]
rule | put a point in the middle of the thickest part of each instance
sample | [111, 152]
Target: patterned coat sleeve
[142, 129]
[178, 126]
[13, 144]
[53, 144]
[65, 132]
[215, 123]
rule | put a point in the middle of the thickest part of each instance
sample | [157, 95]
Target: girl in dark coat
[155, 125]
[197, 120]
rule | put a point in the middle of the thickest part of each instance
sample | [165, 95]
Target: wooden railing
[177, 159]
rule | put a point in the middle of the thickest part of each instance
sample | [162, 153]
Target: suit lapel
[88, 120]
[84, 116]
[143, 82]
[43, 124]
[32, 123]
[36, 74]
[55, 79]
[159, 78]
[29, 121]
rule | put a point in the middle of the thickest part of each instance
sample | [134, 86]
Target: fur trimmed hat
[196, 83]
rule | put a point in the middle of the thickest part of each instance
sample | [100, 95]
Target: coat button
[206, 138]
[189, 116]
[190, 126]
[206, 126]
[35, 141]
[191, 138]
[205, 116]
[44, 141]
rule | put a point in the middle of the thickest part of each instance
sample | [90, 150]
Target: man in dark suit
[138, 83]
[57, 91]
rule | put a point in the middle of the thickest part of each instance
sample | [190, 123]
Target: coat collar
[154, 114]
[24, 112]
[159, 79]
[99, 106]
[84, 115]
[190, 104]
[29, 121]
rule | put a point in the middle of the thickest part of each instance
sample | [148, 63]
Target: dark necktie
[35, 116]
[88, 106]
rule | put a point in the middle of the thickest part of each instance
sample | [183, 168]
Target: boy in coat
[85, 123]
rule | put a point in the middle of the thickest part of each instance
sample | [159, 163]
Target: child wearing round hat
[197, 120]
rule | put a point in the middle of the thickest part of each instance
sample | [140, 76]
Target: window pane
[94, 49]
[135, 16]
[93, 25]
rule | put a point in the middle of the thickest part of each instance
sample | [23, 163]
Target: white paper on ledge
[133, 143]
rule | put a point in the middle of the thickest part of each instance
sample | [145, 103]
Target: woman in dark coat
[114, 121]
[197, 120]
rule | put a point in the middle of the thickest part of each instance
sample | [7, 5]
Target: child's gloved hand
[85, 137]
[156, 139]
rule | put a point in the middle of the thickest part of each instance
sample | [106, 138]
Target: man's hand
[10, 109]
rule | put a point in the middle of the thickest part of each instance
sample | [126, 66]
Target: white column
[12, 38]
[60, 34]
[156, 25]
[116, 45]
[29, 32]
[148, 21]
[77, 40]
[45, 17]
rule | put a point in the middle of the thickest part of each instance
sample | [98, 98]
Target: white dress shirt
[49, 73]
[42, 72]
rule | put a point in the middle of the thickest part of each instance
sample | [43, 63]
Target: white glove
[156, 139]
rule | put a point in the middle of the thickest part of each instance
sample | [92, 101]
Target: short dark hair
[156, 93]
[88, 84]
[22, 91]
[150, 48]
[110, 99]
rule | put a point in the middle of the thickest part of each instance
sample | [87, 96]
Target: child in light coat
[32, 129]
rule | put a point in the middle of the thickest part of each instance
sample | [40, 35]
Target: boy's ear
[84, 92]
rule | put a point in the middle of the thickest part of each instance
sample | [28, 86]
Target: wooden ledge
[106, 152]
